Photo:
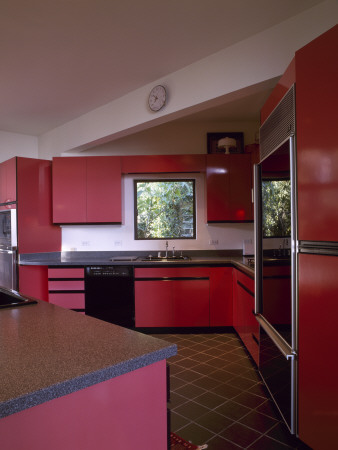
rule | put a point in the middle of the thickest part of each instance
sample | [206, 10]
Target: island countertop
[47, 352]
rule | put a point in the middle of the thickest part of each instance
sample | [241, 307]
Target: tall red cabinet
[317, 174]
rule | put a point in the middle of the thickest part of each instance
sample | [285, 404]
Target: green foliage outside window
[276, 208]
[165, 209]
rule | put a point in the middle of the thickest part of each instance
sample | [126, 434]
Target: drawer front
[66, 273]
[68, 300]
[66, 285]
[248, 282]
[172, 272]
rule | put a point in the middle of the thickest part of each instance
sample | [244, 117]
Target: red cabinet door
[8, 182]
[191, 303]
[87, 190]
[154, 303]
[229, 183]
[221, 303]
[163, 163]
[317, 356]
[69, 190]
[36, 232]
[317, 156]
[104, 189]
[218, 188]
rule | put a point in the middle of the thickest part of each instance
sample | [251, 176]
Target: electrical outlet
[118, 243]
[213, 242]
[85, 243]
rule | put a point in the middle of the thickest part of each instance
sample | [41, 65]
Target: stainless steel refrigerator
[276, 258]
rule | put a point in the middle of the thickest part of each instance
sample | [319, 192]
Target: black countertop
[47, 352]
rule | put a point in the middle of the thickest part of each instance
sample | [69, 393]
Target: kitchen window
[165, 209]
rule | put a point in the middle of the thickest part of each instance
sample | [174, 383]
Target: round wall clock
[157, 98]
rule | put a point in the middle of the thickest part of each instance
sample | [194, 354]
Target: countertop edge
[67, 387]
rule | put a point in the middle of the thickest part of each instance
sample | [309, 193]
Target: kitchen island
[74, 382]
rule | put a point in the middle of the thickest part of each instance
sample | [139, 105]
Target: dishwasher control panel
[109, 271]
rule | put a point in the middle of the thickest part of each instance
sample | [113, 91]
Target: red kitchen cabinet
[244, 320]
[153, 303]
[66, 288]
[36, 232]
[172, 297]
[33, 282]
[317, 355]
[229, 184]
[8, 182]
[87, 190]
[163, 163]
[221, 296]
[317, 156]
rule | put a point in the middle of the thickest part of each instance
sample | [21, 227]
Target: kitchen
[85, 240]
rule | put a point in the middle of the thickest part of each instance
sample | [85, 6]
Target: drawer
[66, 285]
[172, 272]
[66, 273]
[68, 300]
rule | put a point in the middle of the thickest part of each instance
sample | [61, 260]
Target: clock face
[157, 98]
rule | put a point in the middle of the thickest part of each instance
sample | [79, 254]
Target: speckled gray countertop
[48, 352]
[196, 258]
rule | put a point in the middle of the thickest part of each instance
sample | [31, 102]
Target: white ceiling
[63, 58]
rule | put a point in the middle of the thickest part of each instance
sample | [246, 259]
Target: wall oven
[276, 260]
[8, 249]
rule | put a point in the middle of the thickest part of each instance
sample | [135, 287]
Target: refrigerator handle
[258, 237]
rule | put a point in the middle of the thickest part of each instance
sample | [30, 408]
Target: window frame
[164, 180]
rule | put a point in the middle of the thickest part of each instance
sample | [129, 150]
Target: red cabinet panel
[33, 282]
[87, 190]
[68, 300]
[153, 303]
[221, 296]
[8, 181]
[317, 358]
[69, 190]
[245, 322]
[191, 303]
[317, 156]
[163, 163]
[229, 183]
[281, 88]
[66, 285]
[36, 232]
[66, 273]
[104, 189]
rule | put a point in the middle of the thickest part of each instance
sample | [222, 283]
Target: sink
[165, 258]
[11, 300]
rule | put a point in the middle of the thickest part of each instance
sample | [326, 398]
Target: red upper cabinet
[163, 163]
[8, 181]
[229, 184]
[317, 156]
[87, 190]
[36, 232]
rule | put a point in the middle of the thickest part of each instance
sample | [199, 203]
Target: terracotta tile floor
[217, 397]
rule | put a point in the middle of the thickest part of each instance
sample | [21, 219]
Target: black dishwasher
[109, 294]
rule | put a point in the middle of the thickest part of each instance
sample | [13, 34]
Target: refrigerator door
[317, 359]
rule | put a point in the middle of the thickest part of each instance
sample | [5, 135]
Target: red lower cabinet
[66, 288]
[244, 320]
[33, 282]
[183, 297]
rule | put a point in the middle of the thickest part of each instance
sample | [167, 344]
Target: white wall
[121, 237]
[172, 138]
[220, 76]
[13, 144]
